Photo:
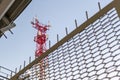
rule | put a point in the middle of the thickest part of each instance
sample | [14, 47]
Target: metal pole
[117, 6]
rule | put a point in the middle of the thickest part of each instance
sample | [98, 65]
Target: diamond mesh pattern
[93, 54]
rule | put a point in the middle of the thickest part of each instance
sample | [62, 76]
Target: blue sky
[60, 13]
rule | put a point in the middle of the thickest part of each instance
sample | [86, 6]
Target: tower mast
[40, 40]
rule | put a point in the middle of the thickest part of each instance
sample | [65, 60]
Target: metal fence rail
[5, 73]
[90, 52]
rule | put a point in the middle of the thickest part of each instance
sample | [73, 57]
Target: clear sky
[60, 13]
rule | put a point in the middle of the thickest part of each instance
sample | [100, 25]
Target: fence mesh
[93, 54]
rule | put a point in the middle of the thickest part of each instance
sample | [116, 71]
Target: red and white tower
[41, 37]
[40, 40]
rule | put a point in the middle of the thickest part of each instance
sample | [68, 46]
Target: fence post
[117, 6]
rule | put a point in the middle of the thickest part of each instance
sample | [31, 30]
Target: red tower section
[41, 37]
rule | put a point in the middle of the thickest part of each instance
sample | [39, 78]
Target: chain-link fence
[91, 54]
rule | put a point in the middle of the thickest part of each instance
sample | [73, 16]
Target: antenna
[41, 37]
[40, 40]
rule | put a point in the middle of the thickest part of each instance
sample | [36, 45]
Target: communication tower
[41, 37]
